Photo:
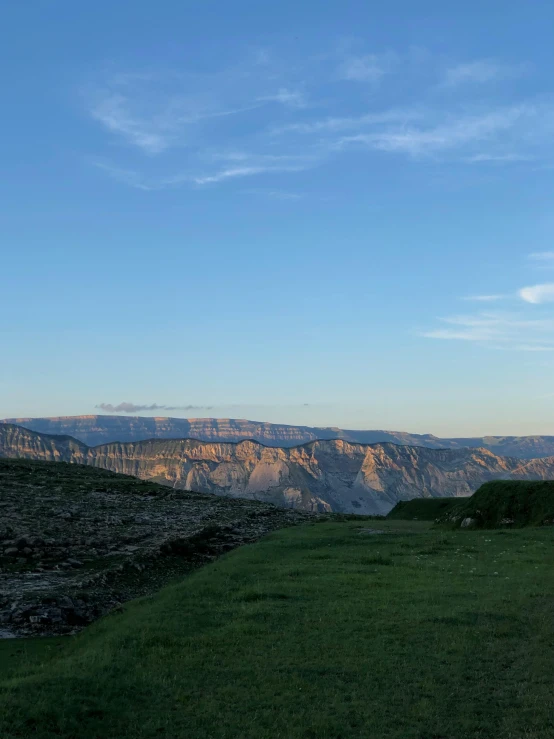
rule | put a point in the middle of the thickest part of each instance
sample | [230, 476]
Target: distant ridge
[320, 475]
[100, 429]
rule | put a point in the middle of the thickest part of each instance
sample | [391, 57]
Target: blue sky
[329, 213]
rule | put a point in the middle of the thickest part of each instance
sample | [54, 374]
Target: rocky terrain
[75, 542]
[94, 430]
[326, 475]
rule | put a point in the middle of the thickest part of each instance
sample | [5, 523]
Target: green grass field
[325, 631]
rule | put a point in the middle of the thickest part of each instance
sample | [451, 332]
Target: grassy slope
[21, 655]
[421, 509]
[506, 502]
[316, 632]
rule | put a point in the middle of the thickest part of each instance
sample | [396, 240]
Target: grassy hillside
[504, 503]
[421, 509]
[327, 631]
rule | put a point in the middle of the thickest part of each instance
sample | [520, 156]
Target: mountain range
[98, 429]
[326, 474]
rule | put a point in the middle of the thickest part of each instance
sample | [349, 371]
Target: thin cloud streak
[503, 135]
[485, 298]
[134, 408]
[498, 158]
[337, 124]
[113, 114]
[275, 194]
[292, 98]
[454, 134]
[160, 130]
[497, 330]
[154, 113]
[126, 176]
[234, 172]
[367, 68]
[480, 72]
[231, 173]
[543, 258]
[247, 165]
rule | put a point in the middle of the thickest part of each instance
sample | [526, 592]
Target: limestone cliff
[94, 430]
[322, 475]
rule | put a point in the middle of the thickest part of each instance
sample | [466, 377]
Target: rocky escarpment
[75, 542]
[325, 475]
[94, 430]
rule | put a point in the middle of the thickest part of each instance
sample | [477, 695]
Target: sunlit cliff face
[321, 475]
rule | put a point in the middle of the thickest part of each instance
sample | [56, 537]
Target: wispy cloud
[543, 258]
[126, 176]
[152, 136]
[485, 298]
[238, 165]
[275, 194]
[134, 408]
[159, 129]
[497, 330]
[156, 112]
[498, 158]
[231, 173]
[535, 348]
[171, 122]
[538, 293]
[529, 329]
[246, 164]
[427, 139]
[367, 68]
[140, 408]
[480, 71]
[143, 182]
[292, 98]
[340, 123]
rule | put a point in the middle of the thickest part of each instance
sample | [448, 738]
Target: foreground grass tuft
[316, 632]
